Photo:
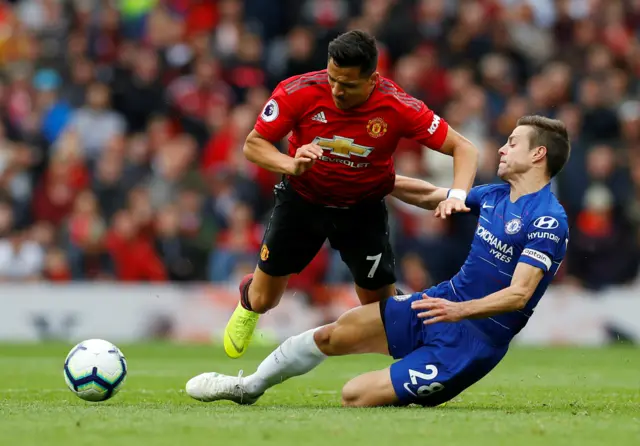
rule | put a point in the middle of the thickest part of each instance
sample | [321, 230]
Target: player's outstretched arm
[465, 159]
[425, 195]
[418, 193]
[523, 284]
[263, 153]
[465, 164]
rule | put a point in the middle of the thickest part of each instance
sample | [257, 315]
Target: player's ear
[374, 78]
[539, 153]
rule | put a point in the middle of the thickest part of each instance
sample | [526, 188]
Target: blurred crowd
[122, 125]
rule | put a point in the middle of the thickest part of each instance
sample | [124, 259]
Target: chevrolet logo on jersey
[344, 147]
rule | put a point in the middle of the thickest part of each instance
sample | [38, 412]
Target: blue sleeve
[547, 239]
[474, 198]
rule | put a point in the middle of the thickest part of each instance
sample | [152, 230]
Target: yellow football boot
[240, 328]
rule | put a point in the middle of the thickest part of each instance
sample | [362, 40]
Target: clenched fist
[305, 158]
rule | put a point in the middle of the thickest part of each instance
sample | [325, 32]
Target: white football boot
[213, 386]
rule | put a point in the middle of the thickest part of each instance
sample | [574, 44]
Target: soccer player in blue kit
[450, 336]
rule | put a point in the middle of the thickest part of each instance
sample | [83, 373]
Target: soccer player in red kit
[345, 124]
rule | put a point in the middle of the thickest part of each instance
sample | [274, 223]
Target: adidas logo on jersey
[319, 117]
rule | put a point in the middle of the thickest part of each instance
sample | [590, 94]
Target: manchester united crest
[264, 253]
[376, 127]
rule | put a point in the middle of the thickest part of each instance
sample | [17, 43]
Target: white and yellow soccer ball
[95, 370]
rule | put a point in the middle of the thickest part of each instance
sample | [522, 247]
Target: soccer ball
[95, 370]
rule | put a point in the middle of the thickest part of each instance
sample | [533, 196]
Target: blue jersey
[533, 230]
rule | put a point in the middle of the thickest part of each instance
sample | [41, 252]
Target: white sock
[294, 357]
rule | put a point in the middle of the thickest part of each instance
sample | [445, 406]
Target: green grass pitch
[535, 397]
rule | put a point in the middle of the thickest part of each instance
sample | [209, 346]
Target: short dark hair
[552, 134]
[355, 49]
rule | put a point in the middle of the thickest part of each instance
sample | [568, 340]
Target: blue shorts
[437, 361]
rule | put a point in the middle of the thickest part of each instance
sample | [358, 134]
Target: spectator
[181, 260]
[21, 259]
[85, 231]
[239, 242]
[95, 123]
[133, 255]
[54, 113]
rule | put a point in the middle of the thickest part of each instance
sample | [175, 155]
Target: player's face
[348, 87]
[516, 156]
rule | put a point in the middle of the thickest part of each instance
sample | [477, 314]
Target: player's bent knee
[352, 394]
[373, 389]
[334, 340]
[359, 330]
[324, 337]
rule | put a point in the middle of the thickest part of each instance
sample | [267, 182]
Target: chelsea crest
[513, 226]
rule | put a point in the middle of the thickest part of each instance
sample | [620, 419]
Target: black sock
[244, 296]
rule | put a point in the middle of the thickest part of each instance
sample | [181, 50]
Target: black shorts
[297, 230]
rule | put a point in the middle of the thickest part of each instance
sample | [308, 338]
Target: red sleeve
[278, 116]
[155, 271]
[424, 126]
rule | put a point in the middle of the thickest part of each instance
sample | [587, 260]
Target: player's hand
[438, 310]
[305, 158]
[450, 206]
[310, 151]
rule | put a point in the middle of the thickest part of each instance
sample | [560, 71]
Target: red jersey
[358, 143]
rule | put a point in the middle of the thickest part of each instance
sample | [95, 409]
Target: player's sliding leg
[259, 292]
[360, 330]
